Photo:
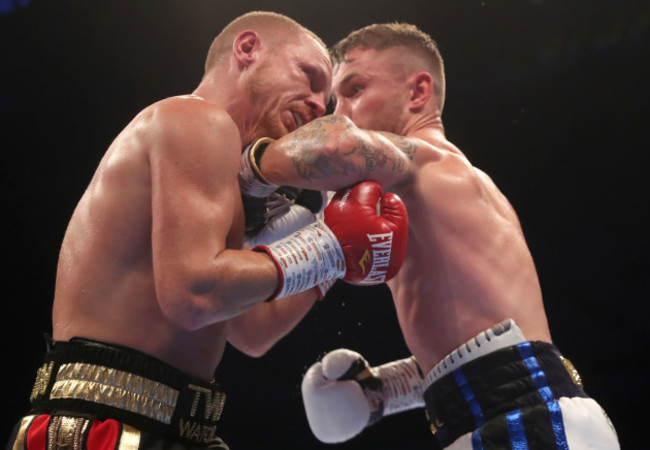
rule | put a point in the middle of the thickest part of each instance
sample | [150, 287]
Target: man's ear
[245, 48]
[421, 89]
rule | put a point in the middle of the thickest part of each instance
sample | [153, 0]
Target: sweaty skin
[467, 265]
[152, 258]
[128, 218]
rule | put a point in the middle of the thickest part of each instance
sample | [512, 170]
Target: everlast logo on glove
[381, 250]
[372, 226]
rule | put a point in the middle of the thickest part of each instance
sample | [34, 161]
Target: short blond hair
[386, 35]
[265, 23]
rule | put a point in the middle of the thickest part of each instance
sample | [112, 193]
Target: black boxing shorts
[500, 391]
[88, 392]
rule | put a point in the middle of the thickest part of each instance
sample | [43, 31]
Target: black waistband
[112, 382]
[517, 377]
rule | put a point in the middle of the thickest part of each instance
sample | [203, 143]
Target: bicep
[193, 181]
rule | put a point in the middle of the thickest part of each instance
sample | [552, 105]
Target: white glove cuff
[402, 385]
[306, 258]
[251, 180]
[324, 287]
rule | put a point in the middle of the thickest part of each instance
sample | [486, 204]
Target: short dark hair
[381, 36]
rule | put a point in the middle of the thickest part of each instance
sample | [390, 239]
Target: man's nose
[342, 109]
[316, 103]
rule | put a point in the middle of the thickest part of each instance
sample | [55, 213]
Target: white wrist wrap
[251, 180]
[306, 258]
[402, 385]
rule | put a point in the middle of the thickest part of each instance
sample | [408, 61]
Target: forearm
[260, 328]
[246, 279]
[199, 294]
[331, 153]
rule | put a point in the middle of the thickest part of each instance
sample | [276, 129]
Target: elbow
[251, 344]
[254, 351]
[191, 312]
[192, 294]
[181, 314]
[250, 338]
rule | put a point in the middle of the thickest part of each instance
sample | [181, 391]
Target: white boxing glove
[283, 212]
[342, 394]
[286, 210]
[282, 225]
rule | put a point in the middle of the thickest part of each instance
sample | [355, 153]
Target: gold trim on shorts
[66, 433]
[116, 388]
[130, 438]
[19, 443]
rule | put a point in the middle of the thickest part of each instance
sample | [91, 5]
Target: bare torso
[467, 266]
[105, 285]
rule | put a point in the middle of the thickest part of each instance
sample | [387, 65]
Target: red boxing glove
[362, 240]
[372, 228]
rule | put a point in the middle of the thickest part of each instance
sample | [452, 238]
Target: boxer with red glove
[362, 240]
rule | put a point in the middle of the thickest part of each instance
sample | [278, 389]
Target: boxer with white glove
[285, 211]
[362, 240]
[343, 395]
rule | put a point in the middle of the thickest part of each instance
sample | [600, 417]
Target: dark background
[550, 98]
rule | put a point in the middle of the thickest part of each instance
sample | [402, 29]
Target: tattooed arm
[331, 153]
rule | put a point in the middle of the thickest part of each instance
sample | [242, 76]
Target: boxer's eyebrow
[348, 77]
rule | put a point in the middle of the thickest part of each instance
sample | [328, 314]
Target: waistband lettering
[197, 432]
[213, 404]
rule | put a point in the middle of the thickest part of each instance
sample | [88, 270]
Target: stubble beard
[258, 90]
